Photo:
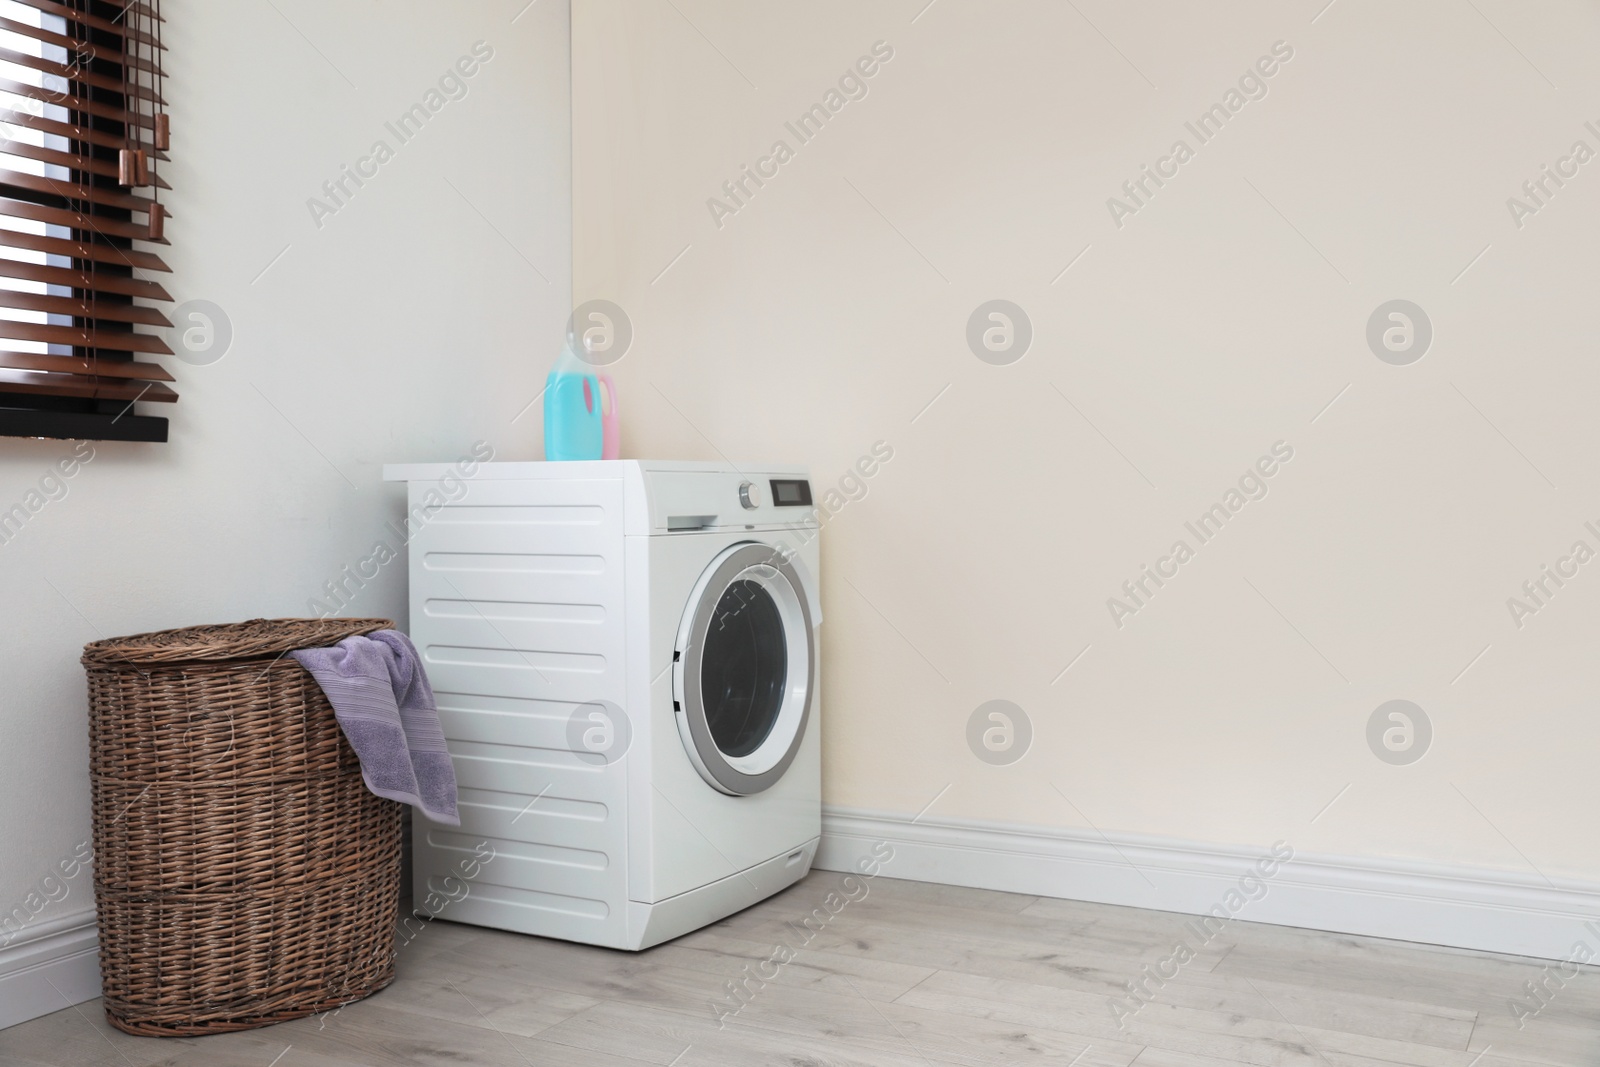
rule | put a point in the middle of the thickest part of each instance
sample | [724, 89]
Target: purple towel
[381, 697]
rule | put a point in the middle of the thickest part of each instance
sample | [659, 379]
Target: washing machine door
[744, 669]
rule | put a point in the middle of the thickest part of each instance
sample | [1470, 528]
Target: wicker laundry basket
[243, 873]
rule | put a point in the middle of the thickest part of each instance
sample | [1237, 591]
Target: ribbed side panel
[517, 609]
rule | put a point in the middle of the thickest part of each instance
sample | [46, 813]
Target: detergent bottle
[580, 411]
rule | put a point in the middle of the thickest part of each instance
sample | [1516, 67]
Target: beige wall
[403, 329]
[1222, 317]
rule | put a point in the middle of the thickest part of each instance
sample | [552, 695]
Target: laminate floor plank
[1268, 1038]
[697, 995]
[1106, 973]
[886, 900]
[76, 1036]
[667, 1038]
[456, 992]
[1158, 1057]
[915, 936]
[789, 962]
[958, 896]
[903, 1032]
[932, 943]
[1478, 982]
[701, 1000]
[1541, 1039]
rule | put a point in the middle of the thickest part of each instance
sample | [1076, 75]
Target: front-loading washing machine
[625, 656]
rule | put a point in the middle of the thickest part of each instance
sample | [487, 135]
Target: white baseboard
[51, 965]
[1495, 911]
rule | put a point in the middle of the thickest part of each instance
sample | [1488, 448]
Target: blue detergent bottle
[574, 421]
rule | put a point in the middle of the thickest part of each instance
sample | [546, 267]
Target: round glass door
[743, 669]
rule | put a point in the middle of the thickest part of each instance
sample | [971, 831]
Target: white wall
[1223, 317]
[405, 328]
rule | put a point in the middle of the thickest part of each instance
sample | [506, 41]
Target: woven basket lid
[256, 639]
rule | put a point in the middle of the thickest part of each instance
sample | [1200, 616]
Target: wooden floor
[910, 975]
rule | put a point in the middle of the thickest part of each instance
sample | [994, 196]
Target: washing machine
[625, 656]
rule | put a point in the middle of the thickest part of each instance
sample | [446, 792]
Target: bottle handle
[611, 428]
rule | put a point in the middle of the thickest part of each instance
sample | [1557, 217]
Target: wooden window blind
[83, 134]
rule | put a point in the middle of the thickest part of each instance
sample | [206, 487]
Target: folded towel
[381, 697]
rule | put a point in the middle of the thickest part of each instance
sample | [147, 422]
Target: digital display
[791, 493]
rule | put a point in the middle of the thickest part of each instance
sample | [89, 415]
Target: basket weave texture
[243, 873]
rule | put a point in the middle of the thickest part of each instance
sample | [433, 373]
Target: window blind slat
[77, 73]
[119, 27]
[74, 102]
[69, 189]
[106, 227]
[102, 368]
[46, 384]
[87, 337]
[60, 40]
[72, 305]
[75, 278]
[104, 168]
[74, 131]
[98, 253]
